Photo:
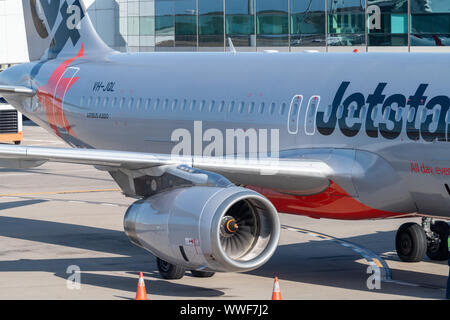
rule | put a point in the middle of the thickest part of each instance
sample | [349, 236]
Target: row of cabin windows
[377, 113]
[251, 108]
[182, 105]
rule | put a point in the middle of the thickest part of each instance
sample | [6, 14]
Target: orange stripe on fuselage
[52, 94]
[333, 203]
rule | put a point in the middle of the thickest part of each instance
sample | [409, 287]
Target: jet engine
[206, 228]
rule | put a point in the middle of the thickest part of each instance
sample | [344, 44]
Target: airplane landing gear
[174, 272]
[437, 241]
[413, 241]
[202, 274]
[169, 271]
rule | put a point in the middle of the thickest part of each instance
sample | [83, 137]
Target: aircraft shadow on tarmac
[311, 266]
[17, 204]
[45, 171]
[130, 259]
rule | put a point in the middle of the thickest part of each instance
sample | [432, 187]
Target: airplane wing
[301, 175]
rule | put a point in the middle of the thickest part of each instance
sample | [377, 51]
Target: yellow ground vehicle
[10, 123]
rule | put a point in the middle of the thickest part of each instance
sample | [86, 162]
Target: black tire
[202, 274]
[440, 253]
[411, 242]
[169, 271]
[17, 142]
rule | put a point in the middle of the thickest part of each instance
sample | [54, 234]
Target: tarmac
[63, 217]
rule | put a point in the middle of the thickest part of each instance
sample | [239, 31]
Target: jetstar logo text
[417, 115]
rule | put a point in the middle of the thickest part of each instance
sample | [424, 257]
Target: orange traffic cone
[141, 294]
[276, 294]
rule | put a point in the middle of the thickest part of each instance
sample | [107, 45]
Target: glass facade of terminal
[147, 25]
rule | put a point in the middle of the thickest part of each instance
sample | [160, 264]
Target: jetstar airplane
[214, 145]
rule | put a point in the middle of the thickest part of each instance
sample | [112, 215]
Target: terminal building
[252, 25]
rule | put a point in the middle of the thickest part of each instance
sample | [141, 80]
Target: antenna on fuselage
[232, 48]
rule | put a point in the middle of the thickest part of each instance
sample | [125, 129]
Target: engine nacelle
[206, 228]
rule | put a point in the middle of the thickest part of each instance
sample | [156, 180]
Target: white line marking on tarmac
[109, 204]
[365, 253]
[368, 255]
[76, 201]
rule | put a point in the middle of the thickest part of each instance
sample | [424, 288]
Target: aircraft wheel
[202, 274]
[169, 271]
[411, 242]
[438, 249]
[17, 142]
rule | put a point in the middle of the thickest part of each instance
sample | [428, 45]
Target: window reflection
[240, 22]
[387, 22]
[307, 23]
[272, 22]
[185, 23]
[146, 24]
[211, 23]
[164, 23]
[346, 22]
[430, 23]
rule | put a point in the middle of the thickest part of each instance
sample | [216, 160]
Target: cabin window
[147, 104]
[211, 106]
[222, 106]
[130, 103]
[97, 102]
[192, 107]
[202, 105]
[399, 113]
[272, 108]
[231, 107]
[423, 115]
[261, 107]
[174, 104]
[251, 108]
[351, 110]
[374, 114]
[340, 112]
[156, 105]
[327, 113]
[411, 114]
[282, 108]
[241, 107]
[387, 111]
[105, 102]
[436, 114]
[363, 113]
[183, 107]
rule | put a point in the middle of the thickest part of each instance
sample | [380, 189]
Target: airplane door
[310, 116]
[294, 114]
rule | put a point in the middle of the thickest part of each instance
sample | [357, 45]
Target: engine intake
[206, 228]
